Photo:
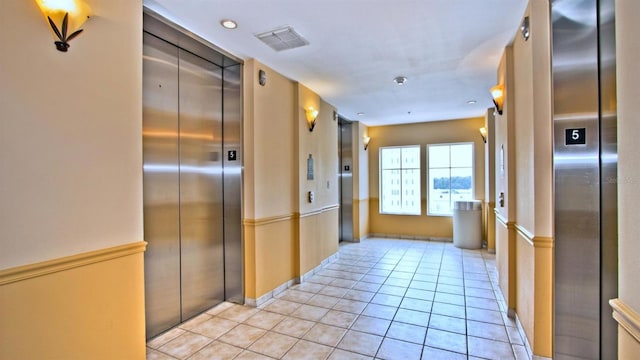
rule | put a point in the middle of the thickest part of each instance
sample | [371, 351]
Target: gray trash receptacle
[467, 224]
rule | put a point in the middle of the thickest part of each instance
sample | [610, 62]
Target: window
[400, 180]
[450, 176]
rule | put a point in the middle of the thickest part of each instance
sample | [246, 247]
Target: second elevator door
[183, 190]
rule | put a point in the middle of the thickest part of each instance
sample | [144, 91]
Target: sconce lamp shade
[365, 141]
[497, 93]
[483, 133]
[312, 115]
[65, 17]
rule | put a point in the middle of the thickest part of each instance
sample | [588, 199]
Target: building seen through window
[450, 176]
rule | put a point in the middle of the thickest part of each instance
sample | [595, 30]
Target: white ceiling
[448, 49]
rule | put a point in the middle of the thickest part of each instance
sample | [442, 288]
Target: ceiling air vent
[282, 39]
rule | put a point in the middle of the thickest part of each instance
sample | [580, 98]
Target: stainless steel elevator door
[183, 190]
[346, 180]
[201, 236]
[161, 183]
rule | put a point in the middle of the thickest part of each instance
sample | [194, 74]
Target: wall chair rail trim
[289, 217]
[535, 241]
[29, 271]
[626, 317]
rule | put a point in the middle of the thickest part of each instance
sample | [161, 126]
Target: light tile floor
[382, 299]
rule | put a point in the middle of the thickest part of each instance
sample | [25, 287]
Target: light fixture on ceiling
[400, 80]
[360, 114]
[228, 24]
[497, 94]
[365, 141]
[311, 115]
[471, 102]
[70, 14]
[524, 28]
[483, 133]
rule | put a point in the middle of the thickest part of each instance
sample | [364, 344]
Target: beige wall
[628, 52]
[506, 261]
[533, 125]
[505, 141]
[270, 187]
[505, 184]
[85, 306]
[71, 183]
[70, 136]
[322, 144]
[524, 132]
[286, 235]
[452, 131]
[270, 125]
[360, 182]
[318, 232]
[489, 216]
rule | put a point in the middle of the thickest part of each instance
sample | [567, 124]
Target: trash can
[467, 224]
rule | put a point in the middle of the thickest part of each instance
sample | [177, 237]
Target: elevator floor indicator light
[576, 136]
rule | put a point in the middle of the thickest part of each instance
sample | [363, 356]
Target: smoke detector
[400, 80]
[283, 38]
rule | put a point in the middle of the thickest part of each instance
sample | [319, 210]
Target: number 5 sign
[575, 136]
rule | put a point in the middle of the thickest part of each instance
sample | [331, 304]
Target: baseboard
[271, 294]
[284, 286]
[318, 268]
[411, 237]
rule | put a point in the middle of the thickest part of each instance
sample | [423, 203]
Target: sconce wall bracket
[63, 40]
[64, 19]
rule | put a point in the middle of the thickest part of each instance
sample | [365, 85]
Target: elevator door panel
[200, 184]
[161, 184]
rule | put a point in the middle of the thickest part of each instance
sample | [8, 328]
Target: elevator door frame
[585, 176]
[345, 172]
[228, 155]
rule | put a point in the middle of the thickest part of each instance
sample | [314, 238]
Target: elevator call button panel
[576, 136]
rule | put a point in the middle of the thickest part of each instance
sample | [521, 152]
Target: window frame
[428, 172]
[380, 183]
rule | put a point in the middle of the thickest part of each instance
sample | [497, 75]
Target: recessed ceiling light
[360, 114]
[228, 24]
[471, 102]
[400, 80]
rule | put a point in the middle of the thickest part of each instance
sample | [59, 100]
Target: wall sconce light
[365, 141]
[483, 133]
[312, 115]
[69, 14]
[497, 93]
